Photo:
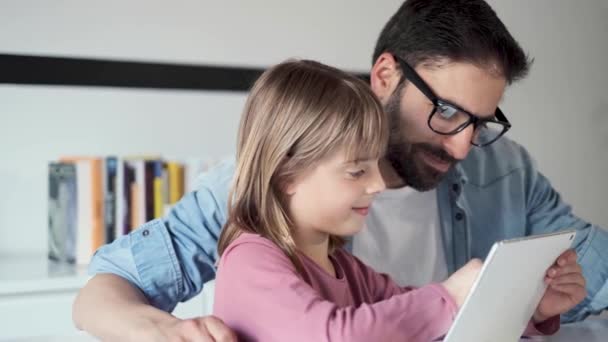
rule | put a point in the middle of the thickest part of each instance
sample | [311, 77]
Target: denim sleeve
[170, 259]
[547, 212]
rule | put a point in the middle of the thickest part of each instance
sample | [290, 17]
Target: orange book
[96, 229]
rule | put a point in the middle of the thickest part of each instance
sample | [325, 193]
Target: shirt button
[146, 232]
[459, 216]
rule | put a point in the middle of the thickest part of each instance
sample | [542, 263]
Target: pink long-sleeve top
[260, 295]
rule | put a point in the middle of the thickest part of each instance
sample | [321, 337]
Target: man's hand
[200, 329]
[566, 287]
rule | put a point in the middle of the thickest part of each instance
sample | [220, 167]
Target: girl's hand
[459, 284]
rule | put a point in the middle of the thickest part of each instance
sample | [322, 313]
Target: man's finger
[567, 269]
[576, 292]
[572, 278]
[567, 257]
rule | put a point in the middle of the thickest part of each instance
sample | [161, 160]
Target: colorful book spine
[176, 182]
[95, 200]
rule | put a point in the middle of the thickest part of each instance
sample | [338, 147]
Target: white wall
[39, 123]
[560, 112]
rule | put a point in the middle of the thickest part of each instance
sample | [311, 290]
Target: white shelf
[28, 274]
[36, 298]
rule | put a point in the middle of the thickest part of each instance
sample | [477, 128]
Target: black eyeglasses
[449, 119]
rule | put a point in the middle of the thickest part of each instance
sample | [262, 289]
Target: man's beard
[404, 156]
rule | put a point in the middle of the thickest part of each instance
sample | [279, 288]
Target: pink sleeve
[261, 297]
[382, 286]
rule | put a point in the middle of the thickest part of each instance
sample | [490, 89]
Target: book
[85, 204]
[176, 181]
[120, 199]
[62, 212]
[110, 181]
[127, 184]
[159, 188]
[137, 189]
[149, 166]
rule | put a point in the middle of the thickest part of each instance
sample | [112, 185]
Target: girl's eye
[356, 174]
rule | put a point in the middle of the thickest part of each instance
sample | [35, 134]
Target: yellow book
[158, 190]
[176, 181]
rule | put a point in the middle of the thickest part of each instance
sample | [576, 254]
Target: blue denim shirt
[495, 194]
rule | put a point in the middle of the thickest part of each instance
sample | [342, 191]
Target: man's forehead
[477, 89]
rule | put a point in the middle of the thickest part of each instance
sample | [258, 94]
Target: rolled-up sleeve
[170, 259]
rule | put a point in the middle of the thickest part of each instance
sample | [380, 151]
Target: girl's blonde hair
[297, 113]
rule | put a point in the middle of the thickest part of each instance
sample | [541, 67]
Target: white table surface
[591, 330]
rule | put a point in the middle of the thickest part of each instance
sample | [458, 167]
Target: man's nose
[459, 144]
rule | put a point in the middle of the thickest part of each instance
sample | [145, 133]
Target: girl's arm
[260, 295]
[458, 286]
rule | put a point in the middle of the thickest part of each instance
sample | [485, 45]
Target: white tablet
[508, 288]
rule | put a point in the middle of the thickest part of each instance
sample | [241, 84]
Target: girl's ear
[289, 188]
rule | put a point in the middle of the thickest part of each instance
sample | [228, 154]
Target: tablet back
[508, 289]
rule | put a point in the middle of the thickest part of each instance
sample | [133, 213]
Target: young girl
[307, 171]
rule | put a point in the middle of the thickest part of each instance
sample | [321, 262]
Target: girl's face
[334, 196]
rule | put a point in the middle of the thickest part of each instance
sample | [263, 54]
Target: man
[455, 183]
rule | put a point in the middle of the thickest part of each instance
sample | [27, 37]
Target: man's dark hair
[427, 31]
